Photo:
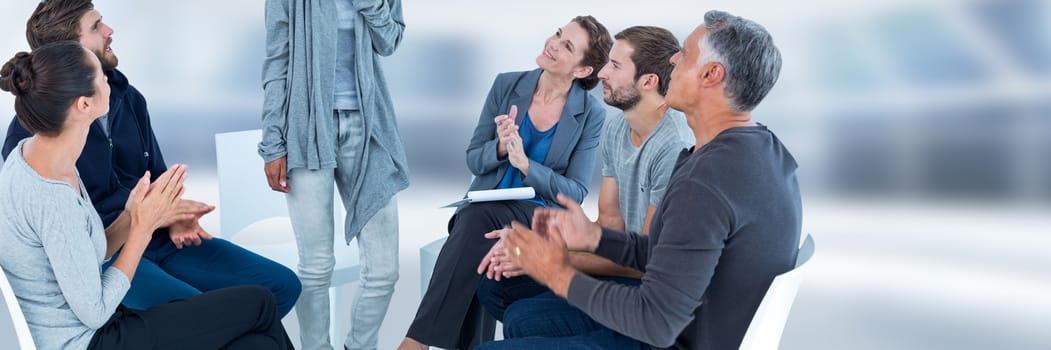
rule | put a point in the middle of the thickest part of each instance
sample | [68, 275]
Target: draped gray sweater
[298, 103]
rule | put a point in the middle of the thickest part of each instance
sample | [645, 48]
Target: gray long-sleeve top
[729, 223]
[53, 248]
[298, 95]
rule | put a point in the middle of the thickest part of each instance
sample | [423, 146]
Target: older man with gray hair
[729, 222]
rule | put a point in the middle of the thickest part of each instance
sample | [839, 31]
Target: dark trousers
[230, 318]
[548, 322]
[449, 315]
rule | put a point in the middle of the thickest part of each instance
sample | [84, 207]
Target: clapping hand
[510, 142]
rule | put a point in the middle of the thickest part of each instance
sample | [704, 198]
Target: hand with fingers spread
[543, 257]
[189, 232]
[579, 232]
[496, 264]
[277, 174]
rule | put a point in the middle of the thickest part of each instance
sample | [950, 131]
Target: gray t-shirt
[642, 172]
[53, 248]
[345, 94]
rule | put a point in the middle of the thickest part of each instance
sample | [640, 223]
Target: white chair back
[248, 208]
[764, 333]
[247, 204]
[18, 326]
[244, 196]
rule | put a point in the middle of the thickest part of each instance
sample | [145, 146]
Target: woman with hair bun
[54, 242]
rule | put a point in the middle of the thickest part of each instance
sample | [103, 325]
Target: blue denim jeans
[497, 296]
[167, 273]
[310, 209]
[548, 322]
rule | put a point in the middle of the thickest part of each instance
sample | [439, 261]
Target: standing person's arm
[385, 23]
[275, 73]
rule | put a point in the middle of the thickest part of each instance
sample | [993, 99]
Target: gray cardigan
[298, 84]
[53, 249]
[571, 159]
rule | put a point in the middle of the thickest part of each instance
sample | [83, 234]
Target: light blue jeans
[310, 208]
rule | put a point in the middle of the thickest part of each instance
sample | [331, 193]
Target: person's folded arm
[385, 23]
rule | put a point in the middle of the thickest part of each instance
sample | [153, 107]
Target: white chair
[248, 205]
[428, 257]
[22, 338]
[764, 333]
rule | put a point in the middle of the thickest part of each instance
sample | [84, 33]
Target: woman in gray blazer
[538, 128]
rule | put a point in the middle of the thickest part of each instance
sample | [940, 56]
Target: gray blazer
[571, 159]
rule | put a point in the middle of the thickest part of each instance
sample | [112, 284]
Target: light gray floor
[885, 275]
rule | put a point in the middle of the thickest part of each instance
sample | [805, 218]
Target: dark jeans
[450, 316]
[496, 297]
[167, 273]
[548, 322]
[230, 318]
[536, 318]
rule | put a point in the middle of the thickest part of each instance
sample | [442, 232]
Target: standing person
[550, 145]
[729, 222]
[328, 121]
[182, 259]
[639, 149]
[54, 243]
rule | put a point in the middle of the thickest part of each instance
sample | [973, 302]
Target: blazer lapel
[568, 131]
[523, 95]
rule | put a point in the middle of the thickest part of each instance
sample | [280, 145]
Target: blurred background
[922, 130]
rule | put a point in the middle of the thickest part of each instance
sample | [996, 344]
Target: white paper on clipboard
[503, 194]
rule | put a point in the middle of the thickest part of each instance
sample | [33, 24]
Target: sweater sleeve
[275, 72]
[385, 23]
[626, 249]
[695, 223]
[481, 151]
[91, 295]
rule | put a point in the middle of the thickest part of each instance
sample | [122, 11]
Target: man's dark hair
[654, 46]
[56, 20]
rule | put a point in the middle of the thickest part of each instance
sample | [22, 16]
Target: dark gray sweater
[729, 223]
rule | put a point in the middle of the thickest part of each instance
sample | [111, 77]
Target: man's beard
[109, 62]
[623, 98]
